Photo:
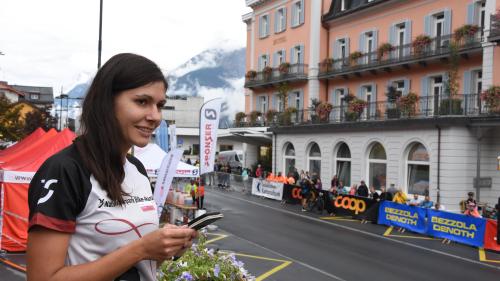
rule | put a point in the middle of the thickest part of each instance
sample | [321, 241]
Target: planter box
[451, 107]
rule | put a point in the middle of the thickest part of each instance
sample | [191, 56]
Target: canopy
[26, 148]
[37, 134]
[151, 157]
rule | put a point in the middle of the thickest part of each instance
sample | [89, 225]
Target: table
[185, 210]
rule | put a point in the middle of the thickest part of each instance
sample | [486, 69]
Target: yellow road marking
[337, 219]
[389, 230]
[482, 256]
[221, 236]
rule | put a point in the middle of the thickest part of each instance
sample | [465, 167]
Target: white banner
[173, 137]
[209, 123]
[16, 177]
[165, 176]
[268, 189]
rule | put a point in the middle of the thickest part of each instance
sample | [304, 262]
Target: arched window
[418, 170]
[377, 166]
[289, 159]
[314, 160]
[343, 161]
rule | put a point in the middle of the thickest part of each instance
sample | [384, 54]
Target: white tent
[151, 157]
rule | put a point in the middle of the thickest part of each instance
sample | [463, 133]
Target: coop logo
[296, 193]
[210, 114]
[47, 185]
[348, 203]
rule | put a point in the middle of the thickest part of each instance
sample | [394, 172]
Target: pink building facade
[385, 91]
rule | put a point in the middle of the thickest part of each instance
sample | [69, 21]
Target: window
[34, 96]
[262, 102]
[478, 81]
[399, 86]
[264, 26]
[343, 167]
[279, 106]
[481, 16]
[280, 57]
[280, 20]
[298, 13]
[343, 5]
[263, 62]
[289, 159]
[298, 54]
[196, 149]
[314, 160]
[342, 48]
[377, 166]
[225, 147]
[418, 170]
[439, 25]
[296, 100]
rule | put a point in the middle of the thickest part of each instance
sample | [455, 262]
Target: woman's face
[139, 112]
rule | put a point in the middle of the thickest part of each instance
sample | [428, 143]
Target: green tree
[11, 127]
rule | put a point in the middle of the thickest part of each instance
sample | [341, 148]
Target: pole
[67, 110]
[99, 47]
[478, 163]
[498, 221]
[60, 113]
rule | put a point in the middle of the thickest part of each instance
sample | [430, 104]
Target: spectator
[296, 175]
[374, 194]
[334, 182]
[258, 172]
[193, 192]
[307, 175]
[281, 178]
[200, 194]
[415, 201]
[270, 176]
[353, 190]
[400, 197]
[188, 161]
[362, 190]
[291, 179]
[305, 186]
[471, 210]
[438, 206]
[384, 195]
[302, 175]
[188, 187]
[427, 203]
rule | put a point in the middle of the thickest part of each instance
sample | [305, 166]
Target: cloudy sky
[54, 42]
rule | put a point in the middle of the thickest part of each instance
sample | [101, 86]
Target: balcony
[426, 108]
[296, 73]
[402, 56]
[495, 28]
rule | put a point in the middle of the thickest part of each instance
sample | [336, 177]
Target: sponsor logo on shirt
[47, 196]
[105, 203]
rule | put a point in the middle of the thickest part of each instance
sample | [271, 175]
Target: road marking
[337, 219]
[363, 232]
[221, 236]
[482, 256]
[389, 230]
[289, 258]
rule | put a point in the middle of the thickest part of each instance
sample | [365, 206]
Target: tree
[10, 122]
[34, 120]
[283, 90]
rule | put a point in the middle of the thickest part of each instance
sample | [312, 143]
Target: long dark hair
[101, 142]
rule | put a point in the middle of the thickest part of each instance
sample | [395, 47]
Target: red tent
[15, 177]
[26, 149]
[38, 133]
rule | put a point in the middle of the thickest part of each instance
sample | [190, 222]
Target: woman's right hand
[166, 242]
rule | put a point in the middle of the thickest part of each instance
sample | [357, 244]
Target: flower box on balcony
[466, 31]
[267, 71]
[270, 116]
[407, 104]
[285, 118]
[451, 106]
[354, 57]
[352, 116]
[254, 115]
[491, 98]
[328, 63]
[251, 74]
[421, 44]
[323, 111]
[384, 49]
[284, 68]
[238, 118]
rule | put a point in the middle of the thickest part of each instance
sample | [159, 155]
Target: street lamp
[61, 97]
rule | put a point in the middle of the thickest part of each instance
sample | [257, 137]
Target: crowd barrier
[478, 232]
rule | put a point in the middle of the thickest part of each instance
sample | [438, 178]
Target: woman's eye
[141, 102]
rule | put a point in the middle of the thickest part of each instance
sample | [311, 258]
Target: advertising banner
[350, 205]
[456, 227]
[401, 215]
[209, 123]
[165, 175]
[292, 194]
[268, 189]
[490, 237]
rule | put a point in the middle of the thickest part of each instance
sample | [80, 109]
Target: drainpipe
[274, 152]
[478, 163]
[439, 166]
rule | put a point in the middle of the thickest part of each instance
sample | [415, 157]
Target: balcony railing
[401, 55]
[296, 72]
[495, 28]
[427, 107]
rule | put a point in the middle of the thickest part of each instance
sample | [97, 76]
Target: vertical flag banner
[173, 136]
[209, 123]
[165, 175]
[162, 135]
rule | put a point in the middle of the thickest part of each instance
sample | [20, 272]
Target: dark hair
[101, 142]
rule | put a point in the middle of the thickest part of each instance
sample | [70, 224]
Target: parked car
[232, 157]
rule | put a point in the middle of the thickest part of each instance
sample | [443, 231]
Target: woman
[92, 213]
[334, 182]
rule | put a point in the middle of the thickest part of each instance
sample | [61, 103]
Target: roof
[354, 6]
[6, 87]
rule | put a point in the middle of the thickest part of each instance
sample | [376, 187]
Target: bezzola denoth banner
[209, 123]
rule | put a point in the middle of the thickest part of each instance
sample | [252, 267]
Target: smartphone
[204, 220]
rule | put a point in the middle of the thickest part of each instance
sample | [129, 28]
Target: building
[386, 91]
[10, 93]
[41, 97]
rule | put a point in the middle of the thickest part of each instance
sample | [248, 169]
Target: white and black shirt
[65, 197]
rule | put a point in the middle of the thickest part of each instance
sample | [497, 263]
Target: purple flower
[216, 270]
[185, 276]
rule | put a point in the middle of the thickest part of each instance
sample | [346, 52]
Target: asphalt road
[321, 249]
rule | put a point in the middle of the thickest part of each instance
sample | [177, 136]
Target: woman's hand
[167, 242]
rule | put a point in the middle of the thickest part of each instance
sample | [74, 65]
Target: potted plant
[393, 96]
[328, 64]
[407, 104]
[284, 68]
[354, 57]
[421, 44]
[384, 49]
[286, 116]
[254, 115]
[491, 99]
[452, 104]
[267, 71]
[354, 109]
[465, 31]
[323, 110]
[270, 114]
[251, 74]
[238, 118]
[200, 263]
